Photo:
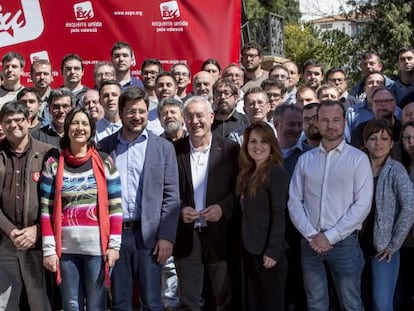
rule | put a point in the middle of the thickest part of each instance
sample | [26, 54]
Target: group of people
[254, 191]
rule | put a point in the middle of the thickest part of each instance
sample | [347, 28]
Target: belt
[129, 225]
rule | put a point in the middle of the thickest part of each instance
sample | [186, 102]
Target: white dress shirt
[331, 192]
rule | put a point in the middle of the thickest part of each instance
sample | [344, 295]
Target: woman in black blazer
[262, 186]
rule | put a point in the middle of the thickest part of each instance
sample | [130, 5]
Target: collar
[338, 148]
[142, 137]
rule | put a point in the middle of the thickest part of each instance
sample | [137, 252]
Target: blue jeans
[384, 280]
[83, 282]
[345, 261]
[136, 262]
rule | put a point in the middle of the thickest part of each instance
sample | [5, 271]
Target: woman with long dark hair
[262, 186]
[81, 217]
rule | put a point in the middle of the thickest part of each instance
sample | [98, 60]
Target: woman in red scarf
[81, 217]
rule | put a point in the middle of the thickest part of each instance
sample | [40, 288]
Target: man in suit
[150, 199]
[207, 171]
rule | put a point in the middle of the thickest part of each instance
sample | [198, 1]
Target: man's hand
[268, 262]
[111, 256]
[51, 262]
[319, 243]
[189, 214]
[212, 213]
[25, 238]
[162, 251]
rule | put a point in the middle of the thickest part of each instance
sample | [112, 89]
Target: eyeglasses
[225, 94]
[150, 73]
[273, 95]
[105, 74]
[17, 120]
[309, 119]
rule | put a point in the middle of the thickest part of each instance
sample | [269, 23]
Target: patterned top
[80, 222]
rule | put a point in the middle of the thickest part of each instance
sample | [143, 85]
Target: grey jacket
[394, 198]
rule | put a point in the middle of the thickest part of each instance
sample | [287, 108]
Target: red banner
[172, 31]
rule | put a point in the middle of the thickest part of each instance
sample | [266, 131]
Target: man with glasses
[275, 91]
[208, 169]
[236, 74]
[60, 102]
[337, 77]
[182, 73]
[383, 107]
[103, 71]
[227, 121]
[280, 73]
[251, 59]
[21, 160]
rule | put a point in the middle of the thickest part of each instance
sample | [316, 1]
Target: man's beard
[172, 128]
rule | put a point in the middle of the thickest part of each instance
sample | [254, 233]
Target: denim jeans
[136, 262]
[384, 280]
[345, 261]
[83, 282]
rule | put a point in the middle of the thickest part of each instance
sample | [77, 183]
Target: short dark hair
[14, 106]
[226, 82]
[132, 93]
[254, 90]
[65, 141]
[29, 90]
[314, 63]
[311, 106]
[403, 50]
[212, 61]
[375, 126]
[273, 83]
[109, 82]
[167, 74]
[40, 62]
[151, 61]
[280, 110]
[61, 92]
[119, 45]
[70, 57]
[335, 70]
[12, 55]
[372, 73]
[331, 103]
[182, 64]
[252, 45]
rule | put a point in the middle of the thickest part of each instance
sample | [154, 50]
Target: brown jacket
[37, 154]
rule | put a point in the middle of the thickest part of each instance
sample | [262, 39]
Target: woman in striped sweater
[81, 215]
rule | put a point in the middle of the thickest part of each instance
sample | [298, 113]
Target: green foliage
[388, 27]
[332, 48]
[289, 9]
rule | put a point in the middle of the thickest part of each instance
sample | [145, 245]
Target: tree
[289, 9]
[388, 26]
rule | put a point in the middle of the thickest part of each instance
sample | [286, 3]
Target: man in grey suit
[150, 198]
